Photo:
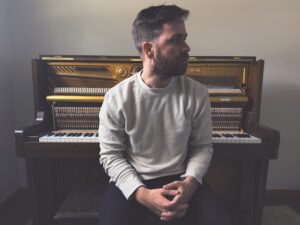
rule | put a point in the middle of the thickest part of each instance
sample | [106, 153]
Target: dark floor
[16, 210]
[290, 198]
[295, 206]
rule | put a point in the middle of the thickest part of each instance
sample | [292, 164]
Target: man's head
[159, 35]
[148, 24]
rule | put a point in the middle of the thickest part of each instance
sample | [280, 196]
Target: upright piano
[61, 151]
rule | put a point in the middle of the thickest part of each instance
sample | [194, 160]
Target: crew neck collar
[154, 90]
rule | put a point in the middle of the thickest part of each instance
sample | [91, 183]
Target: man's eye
[176, 40]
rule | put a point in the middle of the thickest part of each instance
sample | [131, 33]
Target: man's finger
[170, 192]
[171, 205]
[168, 215]
[178, 212]
[173, 185]
[181, 213]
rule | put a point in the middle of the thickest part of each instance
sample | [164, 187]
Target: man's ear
[147, 48]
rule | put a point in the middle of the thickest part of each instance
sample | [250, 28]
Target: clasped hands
[169, 202]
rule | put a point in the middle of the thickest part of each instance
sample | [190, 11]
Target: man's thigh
[117, 210]
[206, 209]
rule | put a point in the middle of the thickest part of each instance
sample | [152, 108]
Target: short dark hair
[148, 24]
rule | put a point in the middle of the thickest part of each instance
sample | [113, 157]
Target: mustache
[185, 56]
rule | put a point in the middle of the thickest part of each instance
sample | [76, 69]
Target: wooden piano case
[237, 173]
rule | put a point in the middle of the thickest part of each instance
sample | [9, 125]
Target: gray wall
[9, 171]
[263, 28]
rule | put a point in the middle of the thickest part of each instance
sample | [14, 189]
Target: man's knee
[116, 209]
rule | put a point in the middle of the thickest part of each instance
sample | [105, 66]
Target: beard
[170, 67]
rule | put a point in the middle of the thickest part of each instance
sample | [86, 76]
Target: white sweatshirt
[146, 133]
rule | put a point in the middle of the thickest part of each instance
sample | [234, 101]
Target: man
[155, 132]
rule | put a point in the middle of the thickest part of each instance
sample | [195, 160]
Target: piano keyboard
[234, 137]
[70, 136]
[91, 136]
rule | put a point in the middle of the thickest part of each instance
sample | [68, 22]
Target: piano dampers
[67, 117]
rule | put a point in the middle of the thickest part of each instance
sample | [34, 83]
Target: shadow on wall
[281, 108]
[281, 111]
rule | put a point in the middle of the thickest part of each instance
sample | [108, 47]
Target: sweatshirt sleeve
[200, 142]
[113, 144]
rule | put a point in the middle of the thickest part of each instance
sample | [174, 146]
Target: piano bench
[81, 206]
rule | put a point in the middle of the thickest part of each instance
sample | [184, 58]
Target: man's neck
[154, 81]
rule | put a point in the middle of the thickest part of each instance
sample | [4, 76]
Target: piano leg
[41, 181]
[253, 190]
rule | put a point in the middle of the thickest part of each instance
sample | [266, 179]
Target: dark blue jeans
[204, 208]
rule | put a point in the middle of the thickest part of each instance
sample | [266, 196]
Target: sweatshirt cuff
[197, 173]
[199, 180]
[130, 187]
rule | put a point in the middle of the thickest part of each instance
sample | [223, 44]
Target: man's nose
[186, 47]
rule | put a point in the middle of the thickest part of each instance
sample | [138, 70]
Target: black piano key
[242, 135]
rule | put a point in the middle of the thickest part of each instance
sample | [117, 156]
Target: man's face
[171, 51]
